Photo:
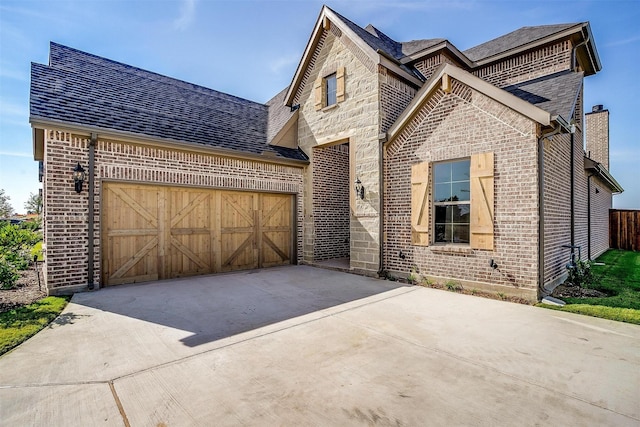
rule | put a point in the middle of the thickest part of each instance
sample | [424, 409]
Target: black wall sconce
[79, 175]
[359, 189]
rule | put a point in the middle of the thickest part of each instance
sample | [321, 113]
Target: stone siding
[66, 212]
[454, 126]
[356, 121]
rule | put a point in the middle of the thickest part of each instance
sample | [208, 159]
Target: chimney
[597, 132]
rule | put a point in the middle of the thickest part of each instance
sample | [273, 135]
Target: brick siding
[66, 212]
[454, 126]
[428, 65]
[597, 133]
[547, 60]
[331, 188]
[395, 96]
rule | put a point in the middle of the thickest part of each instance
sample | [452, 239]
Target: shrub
[16, 243]
[580, 274]
[8, 274]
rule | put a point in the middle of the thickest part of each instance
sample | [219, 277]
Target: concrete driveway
[304, 346]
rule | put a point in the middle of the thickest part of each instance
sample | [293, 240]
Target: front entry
[157, 232]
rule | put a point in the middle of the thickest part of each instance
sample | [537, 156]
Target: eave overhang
[445, 46]
[39, 124]
[580, 35]
[601, 172]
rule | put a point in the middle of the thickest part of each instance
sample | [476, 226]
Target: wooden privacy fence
[624, 229]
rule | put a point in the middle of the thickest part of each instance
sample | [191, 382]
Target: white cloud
[8, 73]
[15, 154]
[187, 13]
[278, 64]
[623, 41]
[11, 109]
[630, 155]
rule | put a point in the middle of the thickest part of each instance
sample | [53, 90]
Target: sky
[250, 49]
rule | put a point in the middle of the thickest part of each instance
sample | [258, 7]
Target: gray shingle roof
[413, 46]
[84, 89]
[374, 38]
[555, 93]
[513, 40]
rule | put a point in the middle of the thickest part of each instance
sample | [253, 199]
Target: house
[394, 157]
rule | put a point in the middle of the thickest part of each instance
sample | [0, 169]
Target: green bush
[580, 274]
[16, 242]
[8, 274]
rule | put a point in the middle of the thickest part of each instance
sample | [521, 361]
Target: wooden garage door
[155, 232]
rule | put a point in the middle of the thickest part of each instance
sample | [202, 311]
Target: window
[452, 201]
[331, 89]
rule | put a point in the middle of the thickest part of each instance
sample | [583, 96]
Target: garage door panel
[238, 251]
[190, 209]
[190, 255]
[131, 240]
[155, 232]
[275, 227]
[276, 249]
[237, 210]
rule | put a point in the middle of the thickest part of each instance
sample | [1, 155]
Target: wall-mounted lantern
[359, 189]
[79, 176]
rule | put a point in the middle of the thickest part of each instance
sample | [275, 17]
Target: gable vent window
[330, 89]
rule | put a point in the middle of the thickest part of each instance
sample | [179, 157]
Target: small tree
[33, 205]
[6, 210]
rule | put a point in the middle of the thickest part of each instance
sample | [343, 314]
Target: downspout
[382, 138]
[574, 50]
[572, 190]
[541, 239]
[92, 147]
[589, 217]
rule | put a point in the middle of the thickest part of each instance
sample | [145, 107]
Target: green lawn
[16, 326]
[620, 278]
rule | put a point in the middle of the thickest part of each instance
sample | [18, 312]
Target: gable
[441, 82]
[367, 47]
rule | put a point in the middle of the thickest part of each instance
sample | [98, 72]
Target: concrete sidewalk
[303, 346]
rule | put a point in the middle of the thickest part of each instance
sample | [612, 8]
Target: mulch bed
[568, 290]
[26, 291]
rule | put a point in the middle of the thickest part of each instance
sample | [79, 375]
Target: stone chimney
[597, 131]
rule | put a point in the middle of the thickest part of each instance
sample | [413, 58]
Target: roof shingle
[84, 89]
[513, 40]
[556, 93]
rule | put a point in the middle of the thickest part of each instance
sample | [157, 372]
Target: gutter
[136, 138]
[602, 173]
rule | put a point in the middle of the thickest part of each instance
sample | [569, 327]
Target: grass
[620, 279]
[628, 315]
[18, 325]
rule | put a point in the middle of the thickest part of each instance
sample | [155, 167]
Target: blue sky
[251, 48]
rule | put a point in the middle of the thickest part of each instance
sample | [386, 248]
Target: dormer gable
[375, 49]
